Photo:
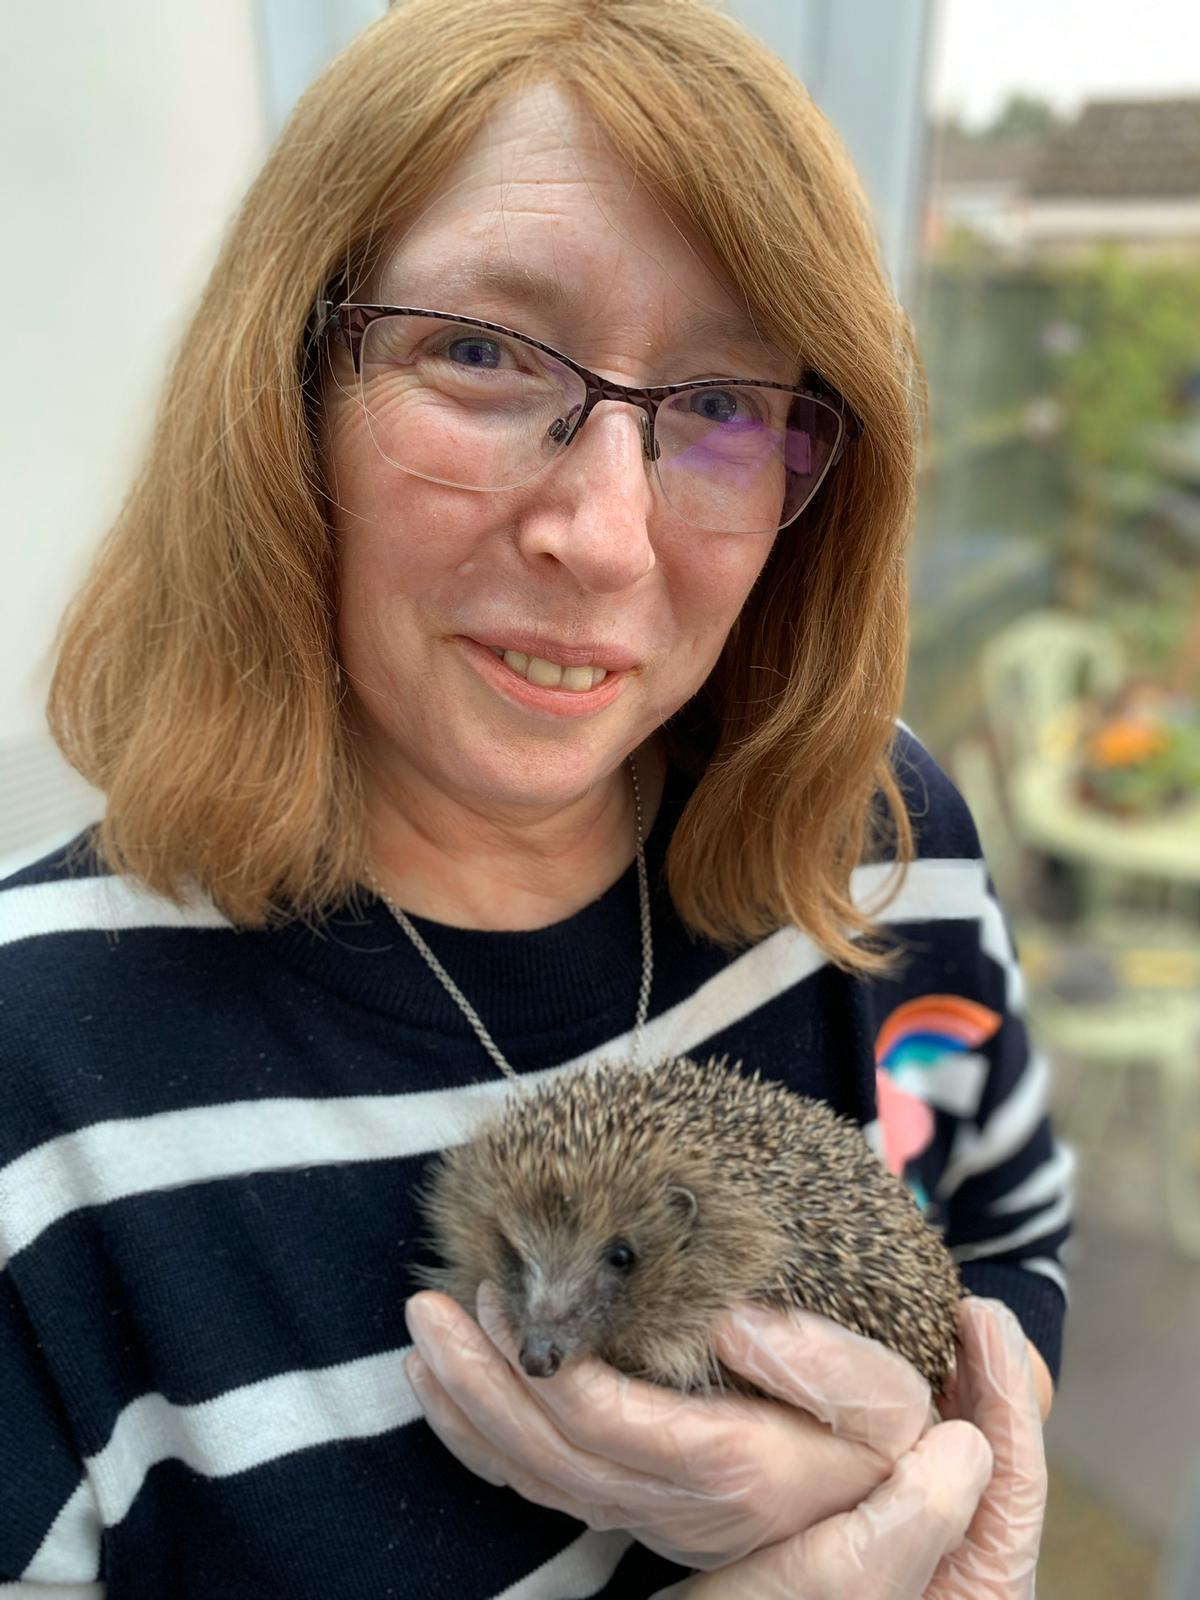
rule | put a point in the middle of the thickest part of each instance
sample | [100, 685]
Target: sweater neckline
[524, 982]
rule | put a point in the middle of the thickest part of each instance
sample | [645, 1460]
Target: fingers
[507, 1432]
[893, 1543]
[888, 1548]
[464, 1441]
[996, 1390]
[725, 1447]
[452, 1425]
[861, 1389]
[701, 1480]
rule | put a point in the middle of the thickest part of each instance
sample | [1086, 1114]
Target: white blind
[43, 801]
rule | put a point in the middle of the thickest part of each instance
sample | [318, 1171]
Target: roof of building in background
[1114, 150]
[1123, 149]
[957, 159]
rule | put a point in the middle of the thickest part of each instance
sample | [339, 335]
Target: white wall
[128, 132]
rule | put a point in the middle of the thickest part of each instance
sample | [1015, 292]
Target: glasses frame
[350, 320]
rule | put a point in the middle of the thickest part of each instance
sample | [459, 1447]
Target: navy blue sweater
[209, 1144]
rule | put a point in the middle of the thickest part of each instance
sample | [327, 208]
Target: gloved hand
[906, 1541]
[994, 1389]
[885, 1549]
[700, 1480]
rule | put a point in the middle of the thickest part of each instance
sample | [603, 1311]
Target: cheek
[396, 534]
[712, 591]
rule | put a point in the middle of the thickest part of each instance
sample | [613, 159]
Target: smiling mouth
[548, 674]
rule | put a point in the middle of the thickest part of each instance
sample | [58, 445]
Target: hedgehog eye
[621, 1256]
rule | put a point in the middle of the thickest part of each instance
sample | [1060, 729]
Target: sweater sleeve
[992, 1174]
[1004, 1190]
[49, 1519]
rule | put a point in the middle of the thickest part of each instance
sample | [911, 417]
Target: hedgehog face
[573, 1282]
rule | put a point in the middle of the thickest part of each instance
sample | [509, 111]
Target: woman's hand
[982, 1476]
[700, 1480]
[997, 1389]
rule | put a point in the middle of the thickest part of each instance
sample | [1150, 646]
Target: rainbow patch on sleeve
[921, 1034]
[931, 1027]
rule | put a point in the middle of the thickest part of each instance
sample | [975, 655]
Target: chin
[525, 774]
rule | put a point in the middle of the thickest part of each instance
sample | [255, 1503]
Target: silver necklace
[469, 1011]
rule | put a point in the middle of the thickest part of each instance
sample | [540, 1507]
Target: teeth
[544, 673]
[578, 677]
[548, 675]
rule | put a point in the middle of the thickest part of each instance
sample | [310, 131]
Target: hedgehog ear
[683, 1201]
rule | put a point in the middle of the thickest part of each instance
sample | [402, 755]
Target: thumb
[996, 1390]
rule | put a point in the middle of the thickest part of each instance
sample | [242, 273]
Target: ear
[683, 1203]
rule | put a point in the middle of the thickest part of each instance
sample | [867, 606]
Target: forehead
[541, 220]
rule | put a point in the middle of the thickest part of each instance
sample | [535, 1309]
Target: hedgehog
[620, 1211]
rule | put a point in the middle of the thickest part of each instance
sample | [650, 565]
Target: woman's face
[540, 228]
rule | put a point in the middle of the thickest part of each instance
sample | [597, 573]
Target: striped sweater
[209, 1144]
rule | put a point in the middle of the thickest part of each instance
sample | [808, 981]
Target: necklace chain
[469, 1011]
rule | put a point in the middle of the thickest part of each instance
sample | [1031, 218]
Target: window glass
[1055, 670]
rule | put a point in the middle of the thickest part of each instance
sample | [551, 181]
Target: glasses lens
[743, 459]
[463, 405]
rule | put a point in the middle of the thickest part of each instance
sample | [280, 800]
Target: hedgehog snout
[539, 1356]
[565, 1309]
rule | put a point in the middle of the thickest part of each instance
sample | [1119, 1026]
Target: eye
[621, 1256]
[475, 350]
[714, 405]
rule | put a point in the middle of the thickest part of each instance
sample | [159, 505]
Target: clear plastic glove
[701, 1480]
[994, 1389]
[959, 1519]
[885, 1549]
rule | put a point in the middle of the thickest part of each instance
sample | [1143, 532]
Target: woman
[472, 700]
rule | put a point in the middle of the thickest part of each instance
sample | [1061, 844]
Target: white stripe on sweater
[98, 905]
[995, 942]
[70, 1552]
[1010, 1126]
[1045, 1184]
[1044, 1224]
[256, 1423]
[248, 1427]
[171, 1149]
[252, 1424]
[1048, 1268]
[582, 1569]
[934, 888]
[938, 889]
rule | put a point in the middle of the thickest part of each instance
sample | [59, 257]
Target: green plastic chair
[1081, 1011]
[1035, 675]
[1039, 665]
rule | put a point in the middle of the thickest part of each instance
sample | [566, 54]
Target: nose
[539, 1356]
[591, 511]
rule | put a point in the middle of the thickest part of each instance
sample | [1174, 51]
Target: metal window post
[864, 63]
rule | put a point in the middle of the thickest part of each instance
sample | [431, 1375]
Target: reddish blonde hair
[197, 682]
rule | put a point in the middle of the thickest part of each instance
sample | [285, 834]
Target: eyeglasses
[474, 405]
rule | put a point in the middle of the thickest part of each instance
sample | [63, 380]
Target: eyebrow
[538, 291]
